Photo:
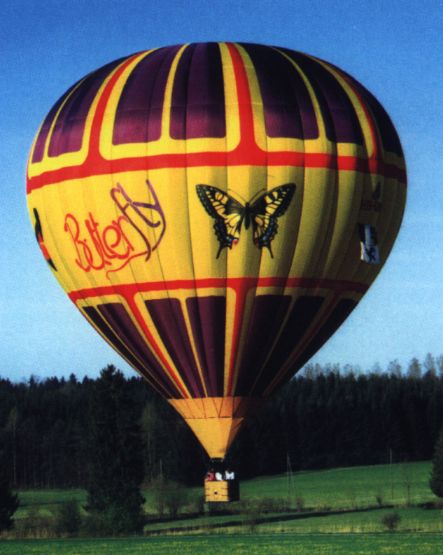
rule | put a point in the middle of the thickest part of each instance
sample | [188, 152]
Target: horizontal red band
[131, 289]
[220, 159]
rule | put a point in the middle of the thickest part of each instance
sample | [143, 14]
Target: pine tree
[116, 464]
[8, 500]
[436, 481]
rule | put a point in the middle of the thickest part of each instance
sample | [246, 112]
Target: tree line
[327, 416]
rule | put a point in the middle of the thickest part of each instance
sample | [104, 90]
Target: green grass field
[339, 488]
[236, 544]
[327, 512]
[348, 487]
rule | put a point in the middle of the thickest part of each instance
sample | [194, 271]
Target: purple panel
[341, 121]
[169, 322]
[39, 149]
[287, 105]
[198, 99]
[389, 137]
[267, 316]
[94, 316]
[139, 111]
[302, 315]
[208, 320]
[67, 135]
[334, 321]
[120, 331]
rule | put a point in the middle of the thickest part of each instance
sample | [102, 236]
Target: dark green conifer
[8, 500]
[436, 481]
[116, 463]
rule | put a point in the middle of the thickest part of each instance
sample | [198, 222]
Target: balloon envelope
[216, 211]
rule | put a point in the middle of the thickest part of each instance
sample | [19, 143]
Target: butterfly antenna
[237, 195]
[256, 194]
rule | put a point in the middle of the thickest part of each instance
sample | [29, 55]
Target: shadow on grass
[258, 519]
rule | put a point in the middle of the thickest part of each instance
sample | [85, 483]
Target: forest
[326, 416]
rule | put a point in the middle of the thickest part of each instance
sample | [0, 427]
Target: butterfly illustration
[262, 213]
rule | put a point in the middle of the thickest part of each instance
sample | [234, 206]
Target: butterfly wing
[226, 211]
[265, 211]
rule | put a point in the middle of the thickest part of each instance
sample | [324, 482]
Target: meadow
[339, 488]
[237, 544]
[338, 511]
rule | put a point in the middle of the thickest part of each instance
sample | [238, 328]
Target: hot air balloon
[216, 211]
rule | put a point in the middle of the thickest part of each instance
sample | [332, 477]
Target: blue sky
[394, 48]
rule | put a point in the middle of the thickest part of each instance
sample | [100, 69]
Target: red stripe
[130, 289]
[219, 159]
[247, 151]
[374, 160]
[94, 155]
[171, 373]
[44, 250]
[94, 161]
[247, 147]
[240, 302]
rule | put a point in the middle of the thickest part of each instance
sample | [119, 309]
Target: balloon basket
[221, 485]
[222, 491]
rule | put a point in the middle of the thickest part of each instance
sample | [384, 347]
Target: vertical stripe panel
[198, 103]
[168, 319]
[68, 132]
[139, 112]
[287, 106]
[341, 121]
[208, 322]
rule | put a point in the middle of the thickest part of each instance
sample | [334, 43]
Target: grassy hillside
[337, 511]
[342, 488]
[337, 500]
[398, 484]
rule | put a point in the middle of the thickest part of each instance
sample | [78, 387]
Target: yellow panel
[215, 433]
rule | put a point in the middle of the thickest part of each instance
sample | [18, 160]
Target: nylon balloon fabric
[216, 211]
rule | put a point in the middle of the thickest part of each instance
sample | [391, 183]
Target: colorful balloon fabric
[216, 211]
